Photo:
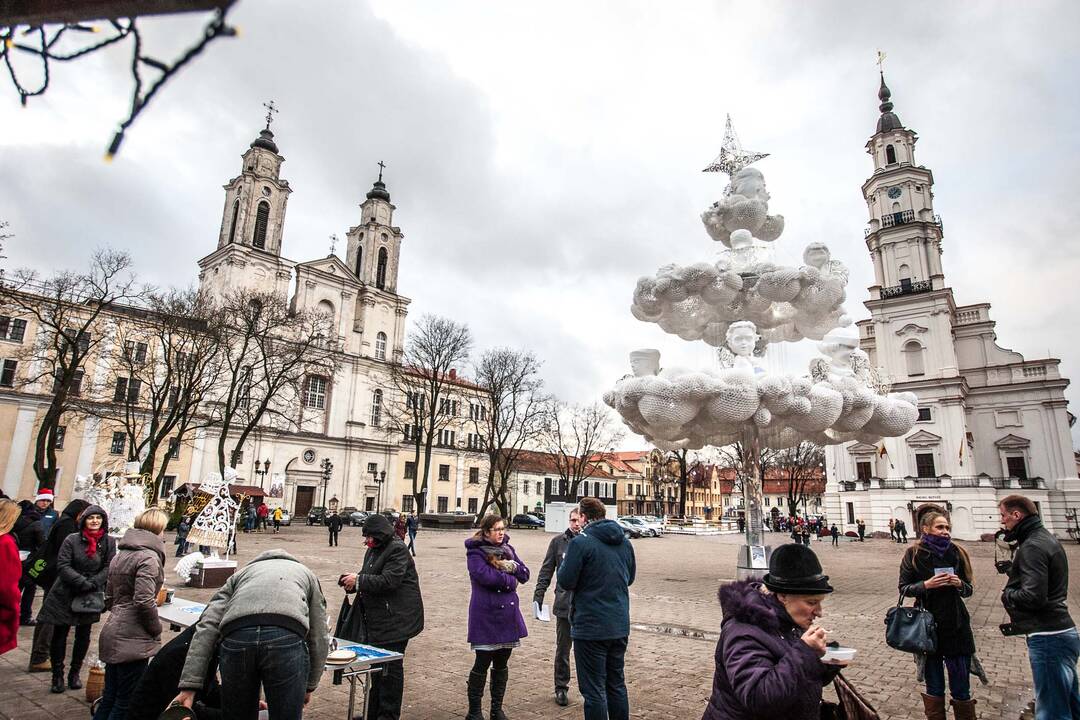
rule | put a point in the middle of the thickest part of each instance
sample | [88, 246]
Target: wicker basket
[95, 683]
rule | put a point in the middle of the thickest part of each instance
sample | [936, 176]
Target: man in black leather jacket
[1035, 599]
[561, 610]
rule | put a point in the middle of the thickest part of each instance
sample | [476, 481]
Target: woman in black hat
[769, 657]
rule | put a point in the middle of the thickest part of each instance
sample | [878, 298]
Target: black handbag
[910, 629]
[88, 603]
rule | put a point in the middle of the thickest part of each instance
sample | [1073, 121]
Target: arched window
[262, 219]
[235, 215]
[359, 260]
[326, 308]
[376, 408]
[913, 357]
[380, 346]
[890, 155]
[904, 274]
[380, 272]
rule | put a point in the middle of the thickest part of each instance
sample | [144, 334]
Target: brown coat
[133, 630]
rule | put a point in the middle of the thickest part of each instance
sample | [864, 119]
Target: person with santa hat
[44, 503]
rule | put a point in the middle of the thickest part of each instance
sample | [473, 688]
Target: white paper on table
[542, 613]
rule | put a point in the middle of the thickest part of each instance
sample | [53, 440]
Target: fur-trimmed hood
[744, 601]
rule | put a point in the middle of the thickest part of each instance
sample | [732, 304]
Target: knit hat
[44, 494]
[796, 570]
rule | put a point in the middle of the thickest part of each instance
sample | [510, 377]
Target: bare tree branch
[574, 434]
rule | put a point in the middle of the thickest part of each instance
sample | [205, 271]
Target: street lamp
[265, 465]
[327, 469]
[378, 477]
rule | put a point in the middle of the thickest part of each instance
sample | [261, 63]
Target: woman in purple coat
[495, 622]
[768, 659]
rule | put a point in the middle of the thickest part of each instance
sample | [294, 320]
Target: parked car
[642, 527]
[652, 523]
[526, 521]
[316, 516]
[629, 530]
[356, 519]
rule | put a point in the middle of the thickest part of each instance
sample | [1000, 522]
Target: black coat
[555, 553]
[158, 684]
[29, 532]
[946, 604]
[77, 575]
[334, 522]
[66, 524]
[388, 607]
[1038, 582]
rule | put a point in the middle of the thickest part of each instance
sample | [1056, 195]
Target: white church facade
[990, 422]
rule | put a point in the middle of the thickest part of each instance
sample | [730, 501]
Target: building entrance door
[305, 497]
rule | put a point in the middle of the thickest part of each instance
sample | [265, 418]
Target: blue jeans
[959, 668]
[268, 655]
[120, 682]
[600, 678]
[1053, 669]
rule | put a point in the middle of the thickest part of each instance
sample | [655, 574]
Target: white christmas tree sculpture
[741, 303]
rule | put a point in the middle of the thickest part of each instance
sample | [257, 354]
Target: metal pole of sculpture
[740, 302]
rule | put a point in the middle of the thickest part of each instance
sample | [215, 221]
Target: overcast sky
[542, 156]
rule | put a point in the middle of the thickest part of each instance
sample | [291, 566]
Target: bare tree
[510, 412]
[166, 361]
[731, 456]
[574, 434]
[679, 458]
[268, 357]
[799, 468]
[422, 407]
[69, 312]
[5, 235]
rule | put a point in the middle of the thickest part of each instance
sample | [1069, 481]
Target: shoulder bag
[88, 603]
[910, 629]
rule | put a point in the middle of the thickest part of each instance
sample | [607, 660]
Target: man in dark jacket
[388, 609]
[333, 525]
[29, 533]
[1035, 599]
[598, 569]
[43, 572]
[555, 553]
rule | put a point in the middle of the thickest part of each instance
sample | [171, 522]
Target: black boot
[476, 695]
[73, 678]
[498, 690]
[57, 679]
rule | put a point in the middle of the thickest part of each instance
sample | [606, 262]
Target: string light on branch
[42, 43]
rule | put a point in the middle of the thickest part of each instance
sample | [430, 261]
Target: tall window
[61, 432]
[913, 357]
[850, 513]
[924, 465]
[135, 351]
[315, 393]
[174, 448]
[444, 473]
[12, 329]
[127, 390]
[443, 504]
[474, 475]
[410, 470]
[863, 470]
[262, 220]
[380, 346]
[360, 259]
[376, 408]
[407, 503]
[7, 374]
[890, 154]
[1017, 466]
[473, 506]
[235, 215]
[118, 441]
[380, 270]
[76, 383]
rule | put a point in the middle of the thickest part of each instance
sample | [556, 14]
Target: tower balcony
[904, 217]
[907, 288]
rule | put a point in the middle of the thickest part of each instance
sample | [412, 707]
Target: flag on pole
[882, 452]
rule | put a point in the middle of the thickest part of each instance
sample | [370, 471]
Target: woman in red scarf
[10, 572]
[82, 569]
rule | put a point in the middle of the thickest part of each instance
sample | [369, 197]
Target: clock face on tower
[894, 192]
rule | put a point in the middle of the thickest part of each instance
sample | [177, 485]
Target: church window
[315, 393]
[380, 346]
[863, 470]
[235, 215]
[360, 259]
[924, 415]
[380, 272]
[1017, 466]
[326, 308]
[376, 408]
[924, 465]
[262, 219]
[913, 356]
[890, 155]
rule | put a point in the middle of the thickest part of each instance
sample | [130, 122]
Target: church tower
[374, 246]
[249, 243]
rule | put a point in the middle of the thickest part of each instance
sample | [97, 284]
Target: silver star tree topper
[732, 157]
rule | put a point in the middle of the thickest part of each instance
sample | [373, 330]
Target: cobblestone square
[675, 615]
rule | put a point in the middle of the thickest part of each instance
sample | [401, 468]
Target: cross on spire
[333, 243]
[382, 166]
[270, 110]
[881, 62]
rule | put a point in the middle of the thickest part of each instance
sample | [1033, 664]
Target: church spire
[888, 120]
[378, 190]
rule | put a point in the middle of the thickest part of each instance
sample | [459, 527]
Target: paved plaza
[670, 658]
